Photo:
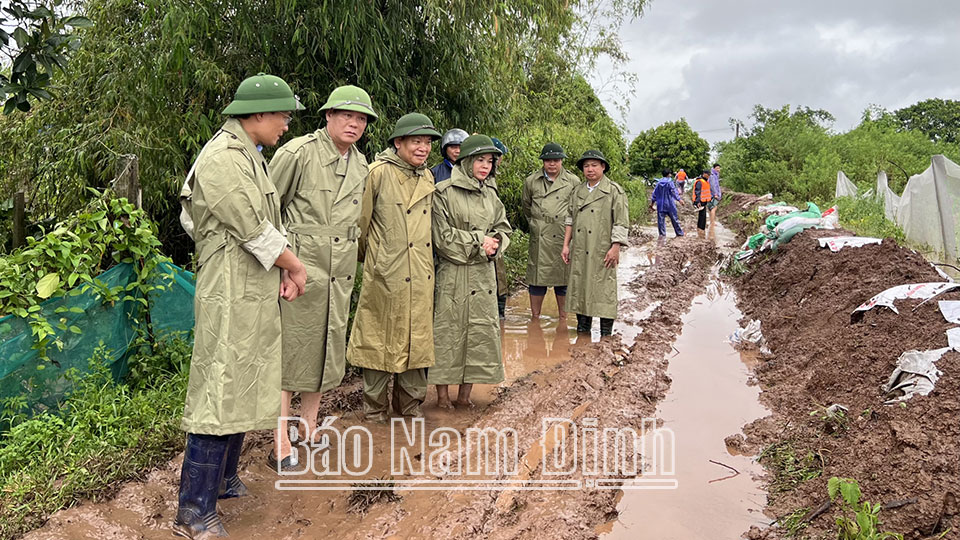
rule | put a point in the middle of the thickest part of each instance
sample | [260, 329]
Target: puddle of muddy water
[708, 400]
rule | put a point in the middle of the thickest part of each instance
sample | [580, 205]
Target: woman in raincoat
[470, 230]
[596, 227]
[392, 336]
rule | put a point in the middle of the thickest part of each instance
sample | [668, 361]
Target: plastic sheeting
[845, 188]
[929, 209]
[891, 201]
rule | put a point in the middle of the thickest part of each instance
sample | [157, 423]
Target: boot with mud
[584, 324]
[203, 463]
[606, 327]
[231, 486]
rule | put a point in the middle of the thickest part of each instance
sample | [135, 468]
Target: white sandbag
[836, 243]
[922, 291]
[915, 374]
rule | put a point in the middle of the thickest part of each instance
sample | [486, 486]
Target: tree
[673, 145]
[938, 119]
[152, 77]
[38, 43]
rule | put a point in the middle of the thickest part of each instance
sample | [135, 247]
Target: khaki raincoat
[466, 325]
[393, 327]
[320, 193]
[232, 211]
[544, 204]
[599, 218]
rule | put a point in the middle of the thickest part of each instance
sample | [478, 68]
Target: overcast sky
[709, 60]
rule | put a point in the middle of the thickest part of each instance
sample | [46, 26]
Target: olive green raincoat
[320, 193]
[232, 211]
[544, 204]
[599, 218]
[393, 327]
[466, 326]
[499, 264]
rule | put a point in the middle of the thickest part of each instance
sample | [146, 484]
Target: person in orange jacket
[700, 197]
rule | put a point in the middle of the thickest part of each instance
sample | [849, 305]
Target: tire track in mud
[615, 382]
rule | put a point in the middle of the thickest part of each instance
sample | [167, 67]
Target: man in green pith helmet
[545, 196]
[392, 335]
[320, 179]
[470, 231]
[596, 228]
[232, 212]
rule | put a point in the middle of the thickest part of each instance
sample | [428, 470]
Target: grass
[638, 200]
[790, 466]
[364, 496]
[793, 524]
[104, 433]
[516, 258]
[866, 218]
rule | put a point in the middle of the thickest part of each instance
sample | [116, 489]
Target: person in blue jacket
[450, 150]
[664, 199]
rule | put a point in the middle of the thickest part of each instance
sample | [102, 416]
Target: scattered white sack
[915, 374]
[749, 334]
[953, 338]
[951, 311]
[836, 243]
[778, 209]
[923, 291]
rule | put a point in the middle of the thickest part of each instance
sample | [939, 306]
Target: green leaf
[48, 285]
[75, 329]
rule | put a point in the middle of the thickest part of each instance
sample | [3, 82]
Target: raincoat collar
[391, 156]
[603, 188]
[460, 179]
[423, 188]
[234, 128]
[328, 150]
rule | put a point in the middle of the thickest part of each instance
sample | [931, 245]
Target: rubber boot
[231, 486]
[606, 327]
[203, 462]
[584, 324]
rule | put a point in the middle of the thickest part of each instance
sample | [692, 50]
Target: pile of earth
[907, 456]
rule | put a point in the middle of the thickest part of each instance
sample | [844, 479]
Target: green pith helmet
[412, 124]
[351, 98]
[263, 93]
[552, 150]
[593, 154]
[476, 145]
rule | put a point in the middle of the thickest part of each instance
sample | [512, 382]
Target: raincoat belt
[351, 232]
[545, 219]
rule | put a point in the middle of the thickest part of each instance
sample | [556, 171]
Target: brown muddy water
[717, 494]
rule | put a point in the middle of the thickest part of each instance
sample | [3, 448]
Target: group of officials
[296, 230]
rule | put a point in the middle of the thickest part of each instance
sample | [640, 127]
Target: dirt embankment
[904, 456]
[615, 382]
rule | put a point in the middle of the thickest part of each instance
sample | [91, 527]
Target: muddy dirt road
[553, 374]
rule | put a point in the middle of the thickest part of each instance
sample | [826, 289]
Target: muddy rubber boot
[231, 486]
[203, 462]
[606, 327]
[584, 324]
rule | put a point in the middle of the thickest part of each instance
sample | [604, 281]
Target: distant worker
[470, 231]
[320, 179]
[715, 198]
[503, 281]
[595, 229]
[681, 181]
[449, 151]
[701, 197]
[545, 198]
[664, 200]
[392, 335]
[244, 264]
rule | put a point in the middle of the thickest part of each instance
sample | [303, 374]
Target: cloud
[709, 61]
